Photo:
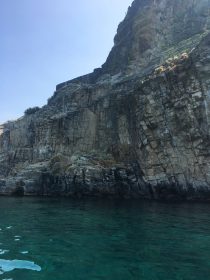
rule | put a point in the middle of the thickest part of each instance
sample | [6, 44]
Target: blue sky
[45, 42]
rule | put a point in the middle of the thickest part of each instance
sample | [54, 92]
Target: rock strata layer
[139, 126]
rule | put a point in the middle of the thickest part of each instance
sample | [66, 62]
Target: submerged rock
[137, 127]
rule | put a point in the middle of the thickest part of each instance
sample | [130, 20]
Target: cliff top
[152, 32]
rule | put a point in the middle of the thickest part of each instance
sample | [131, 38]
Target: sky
[46, 42]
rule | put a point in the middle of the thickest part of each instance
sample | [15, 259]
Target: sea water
[89, 239]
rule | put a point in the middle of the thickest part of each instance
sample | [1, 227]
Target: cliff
[139, 126]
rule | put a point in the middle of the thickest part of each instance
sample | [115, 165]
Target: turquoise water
[62, 239]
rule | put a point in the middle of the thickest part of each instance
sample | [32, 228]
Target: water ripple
[9, 265]
[2, 252]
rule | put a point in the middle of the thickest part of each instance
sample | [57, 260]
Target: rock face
[137, 127]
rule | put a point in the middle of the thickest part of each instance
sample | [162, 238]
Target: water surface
[64, 239]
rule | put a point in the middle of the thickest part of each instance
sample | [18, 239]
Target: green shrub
[31, 111]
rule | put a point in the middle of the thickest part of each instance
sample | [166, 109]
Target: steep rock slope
[137, 127]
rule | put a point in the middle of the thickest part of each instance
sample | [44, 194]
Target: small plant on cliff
[160, 70]
[31, 111]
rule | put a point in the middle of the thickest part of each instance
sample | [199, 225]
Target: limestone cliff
[139, 126]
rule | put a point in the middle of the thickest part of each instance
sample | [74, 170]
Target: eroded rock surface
[137, 127]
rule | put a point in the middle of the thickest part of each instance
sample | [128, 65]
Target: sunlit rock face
[137, 127]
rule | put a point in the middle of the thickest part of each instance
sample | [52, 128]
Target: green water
[62, 239]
